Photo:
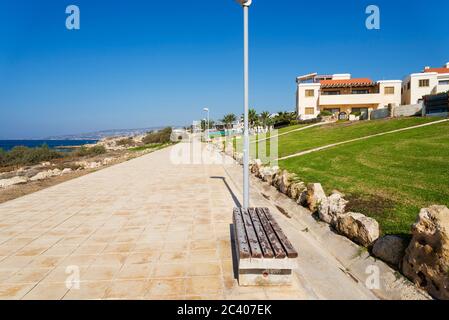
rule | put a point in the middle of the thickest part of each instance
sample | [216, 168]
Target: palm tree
[229, 119]
[253, 118]
[265, 118]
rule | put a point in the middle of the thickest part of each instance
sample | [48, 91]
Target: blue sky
[149, 63]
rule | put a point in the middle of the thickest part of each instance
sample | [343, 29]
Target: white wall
[393, 99]
[443, 77]
[307, 102]
[416, 92]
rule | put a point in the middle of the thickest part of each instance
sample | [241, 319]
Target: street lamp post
[208, 123]
[245, 4]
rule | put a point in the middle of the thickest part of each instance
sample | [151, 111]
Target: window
[389, 90]
[310, 93]
[409, 85]
[360, 91]
[331, 93]
[443, 82]
[424, 83]
[310, 111]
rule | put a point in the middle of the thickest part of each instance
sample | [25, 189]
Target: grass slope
[327, 134]
[388, 178]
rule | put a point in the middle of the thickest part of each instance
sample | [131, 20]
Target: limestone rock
[426, 260]
[255, 166]
[107, 161]
[296, 190]
[267, 174]
[316, 198]
[55, 172]
[390, 249]
[4, 183]
[282, 181]
[359, 228]
[337, 206]
[66, 171]
[42, 175]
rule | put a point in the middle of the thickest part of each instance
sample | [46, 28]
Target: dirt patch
[18, 191]
[372, 205]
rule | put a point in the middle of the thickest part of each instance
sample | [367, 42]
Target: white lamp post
[208, 123]
[245, 4]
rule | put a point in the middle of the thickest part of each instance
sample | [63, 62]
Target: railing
[371, 98]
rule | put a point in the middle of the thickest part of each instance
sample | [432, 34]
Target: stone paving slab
[143, 229]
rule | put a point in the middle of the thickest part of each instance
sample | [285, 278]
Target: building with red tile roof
[429, 81]
[341, 95]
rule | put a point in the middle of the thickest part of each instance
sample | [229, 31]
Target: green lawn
[389, 178]
[327, 134]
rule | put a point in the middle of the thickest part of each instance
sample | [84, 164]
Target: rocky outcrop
[5, 183]
[107, 161]
[46, 174]
[359, 228]
[390, 249]
[426, 260]
[316, 198]
[66, 171]
[88, 165]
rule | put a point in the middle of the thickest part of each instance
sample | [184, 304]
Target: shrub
[126, 142]
[325, 113]
[22, 155]
[2, 157]
[162, 136]
[92, 151]
[356, 113]
[294, 122]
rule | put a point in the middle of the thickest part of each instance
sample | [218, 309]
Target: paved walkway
[362, 138]
[146, 229]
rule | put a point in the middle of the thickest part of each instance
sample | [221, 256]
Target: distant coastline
[61, 145]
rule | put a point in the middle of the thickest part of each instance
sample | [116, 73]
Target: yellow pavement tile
[166, 287]
[176, 270]
[204, 269]
[204, 285]
[47, 291]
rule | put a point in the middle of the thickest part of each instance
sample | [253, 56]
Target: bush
[126, 142]
[294, 122]
[162, 136]
[2, 157]
[92, 151]
[22, 155]
[356, 113]
[325, 113]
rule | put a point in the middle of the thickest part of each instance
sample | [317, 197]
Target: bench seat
[265, 255]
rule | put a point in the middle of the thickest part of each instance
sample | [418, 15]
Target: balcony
[350, 99]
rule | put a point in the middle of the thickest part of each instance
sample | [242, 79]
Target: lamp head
[245, 3]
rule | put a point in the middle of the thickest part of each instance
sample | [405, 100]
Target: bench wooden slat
[260, 232]
[288, 247]
[256, 252]
[278, 250]
[241, 239]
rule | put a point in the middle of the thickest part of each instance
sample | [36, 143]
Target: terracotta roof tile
[438, 70]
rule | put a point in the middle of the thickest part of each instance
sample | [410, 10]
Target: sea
[53, 144]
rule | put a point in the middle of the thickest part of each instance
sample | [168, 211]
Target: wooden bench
[265, 255]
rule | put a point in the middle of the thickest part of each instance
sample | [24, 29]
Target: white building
[342, 95]
[430, 81]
